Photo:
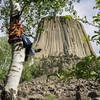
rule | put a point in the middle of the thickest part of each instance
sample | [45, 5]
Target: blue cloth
[32, 51]
[26, 41]
[28, 45]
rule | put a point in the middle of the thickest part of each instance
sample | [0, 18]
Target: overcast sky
[85, 8]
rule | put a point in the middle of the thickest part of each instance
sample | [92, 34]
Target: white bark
[15, 69]
[15, 8]
[18, 56]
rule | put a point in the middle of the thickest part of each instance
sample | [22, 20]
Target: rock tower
[61, 35]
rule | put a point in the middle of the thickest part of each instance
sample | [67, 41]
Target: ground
[55, 89]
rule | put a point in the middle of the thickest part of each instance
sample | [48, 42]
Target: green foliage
[62, 20]
[96, 20]
[88, 67]
[26, 74]
[3, 73]
[30, 72]
[40, 29]
[51, 97]
[68, 16]
[56, 65]
[87, 38]
[34, 10]
[5, 52]
[5, 57]
[4, 15]
[46, 66]
[50, 66]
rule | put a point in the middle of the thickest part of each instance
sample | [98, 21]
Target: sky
[85, 8]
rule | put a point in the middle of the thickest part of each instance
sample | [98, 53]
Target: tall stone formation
[61, 35]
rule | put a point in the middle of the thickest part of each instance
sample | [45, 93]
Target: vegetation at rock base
[86, 68]
[30, 72]
[51, 97]
[54, 65]
[50, 66]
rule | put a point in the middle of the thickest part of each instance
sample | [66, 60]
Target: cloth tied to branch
[15, 32]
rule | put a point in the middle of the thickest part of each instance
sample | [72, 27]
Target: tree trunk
[18, 56]
[62, 35]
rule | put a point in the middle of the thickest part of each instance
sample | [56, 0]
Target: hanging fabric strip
[15, 32]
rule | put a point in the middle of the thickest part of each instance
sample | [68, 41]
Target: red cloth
[15, 32]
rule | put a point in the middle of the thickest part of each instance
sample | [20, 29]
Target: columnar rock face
[62, 35]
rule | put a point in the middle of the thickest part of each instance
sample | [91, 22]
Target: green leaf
[93, 73]
[68, 16]
[84, 37]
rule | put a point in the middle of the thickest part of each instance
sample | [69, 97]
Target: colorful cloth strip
[15, 32]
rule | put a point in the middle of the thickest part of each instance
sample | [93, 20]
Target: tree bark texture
[62, 35]
[13, 77]
[18, 56]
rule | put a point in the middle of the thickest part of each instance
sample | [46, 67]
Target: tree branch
[86, 21]
[15, 12]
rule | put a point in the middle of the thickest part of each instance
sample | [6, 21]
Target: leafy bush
[5, 57]
[5, 52]
[3, 73]
[51, 65]
[56, 65]
[87, 68]
[60, 66]
[30, 72]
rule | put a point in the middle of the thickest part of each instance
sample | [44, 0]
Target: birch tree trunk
[18, 55]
